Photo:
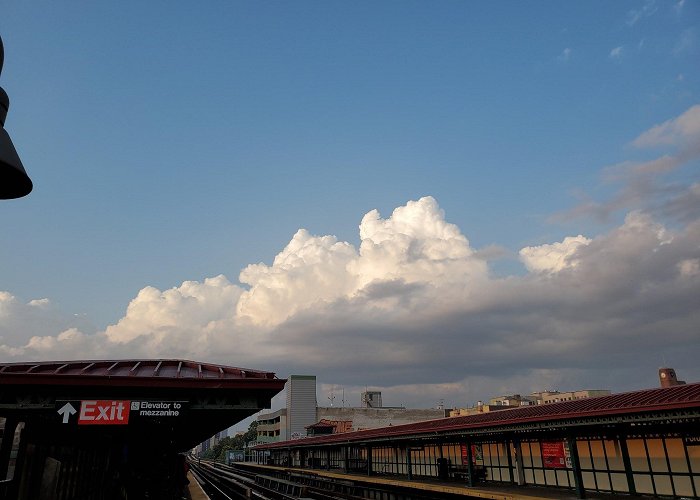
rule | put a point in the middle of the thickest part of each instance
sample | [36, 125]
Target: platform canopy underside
[179, 403]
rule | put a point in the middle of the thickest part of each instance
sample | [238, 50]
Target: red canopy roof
[661, 399]
[134, 372]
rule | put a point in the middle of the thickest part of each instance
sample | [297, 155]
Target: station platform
[495, 492]
[195, 491]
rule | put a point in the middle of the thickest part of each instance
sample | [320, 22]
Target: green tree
[215, 451]
[219, 450]
[252, 432]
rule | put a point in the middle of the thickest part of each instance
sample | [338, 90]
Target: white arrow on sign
[67, 410]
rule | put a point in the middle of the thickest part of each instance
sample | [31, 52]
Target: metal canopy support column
[18, 484]
[519, 462]
[409, 465]
[689, 465]
[369, 460]
[397, 454]
[470, 465]
[576, 466]
[346, 458]
[8, 436]
[328, 458]
[624, 451]
[442, 464]
[507, 445]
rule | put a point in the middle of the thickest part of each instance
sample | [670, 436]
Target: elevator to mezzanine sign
[116, 412]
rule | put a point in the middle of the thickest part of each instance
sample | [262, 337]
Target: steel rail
[228, 481]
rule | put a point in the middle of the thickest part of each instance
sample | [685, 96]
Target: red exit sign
[103, 412]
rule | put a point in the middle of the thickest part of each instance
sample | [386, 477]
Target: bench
[462, 472]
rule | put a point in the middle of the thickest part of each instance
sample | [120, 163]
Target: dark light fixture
[14, 181]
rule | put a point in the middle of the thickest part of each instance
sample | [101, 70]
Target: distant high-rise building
[668, 377]
[301, 404]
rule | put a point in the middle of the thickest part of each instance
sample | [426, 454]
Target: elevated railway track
[222, 482]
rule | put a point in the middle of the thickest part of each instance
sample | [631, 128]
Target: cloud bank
[417, 312]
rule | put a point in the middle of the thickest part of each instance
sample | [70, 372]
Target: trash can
[443, 465]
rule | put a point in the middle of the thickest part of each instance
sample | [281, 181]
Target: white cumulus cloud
[553, 257]
[309, 270]
[414, 311]
[414, 245]
[175, 322]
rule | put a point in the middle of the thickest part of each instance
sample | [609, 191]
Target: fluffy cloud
[185, 321]
[604, 322]
[415, 312]
[413, 246]
[309, 270]
[553, 257]
[38, 317]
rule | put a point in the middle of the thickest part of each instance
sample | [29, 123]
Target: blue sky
[173, 141]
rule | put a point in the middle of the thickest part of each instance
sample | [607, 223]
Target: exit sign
[103, 412]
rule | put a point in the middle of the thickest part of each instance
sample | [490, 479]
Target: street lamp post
[14, 181]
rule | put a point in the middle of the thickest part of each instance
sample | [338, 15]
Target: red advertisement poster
[477, 453]
[555, 455]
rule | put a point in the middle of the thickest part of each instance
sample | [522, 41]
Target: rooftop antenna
[332, 397]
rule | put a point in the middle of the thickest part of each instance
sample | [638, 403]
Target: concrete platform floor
[195, 491]
[500, 492]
